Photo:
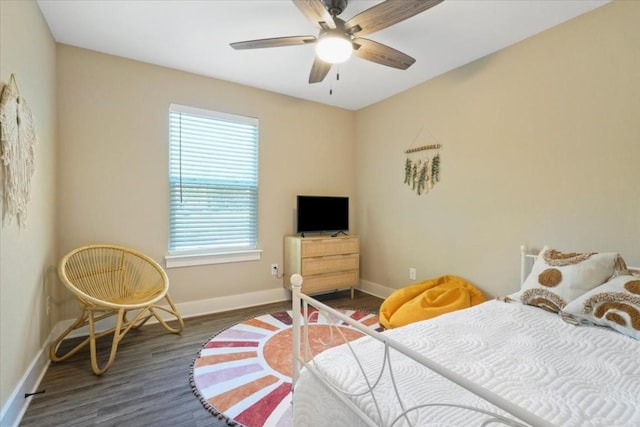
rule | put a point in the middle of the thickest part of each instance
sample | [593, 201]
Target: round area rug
[243, 374]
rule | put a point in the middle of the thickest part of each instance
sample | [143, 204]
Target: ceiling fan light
[334, 48]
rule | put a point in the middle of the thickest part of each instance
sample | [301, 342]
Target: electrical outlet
[412, 273]
[274, 269]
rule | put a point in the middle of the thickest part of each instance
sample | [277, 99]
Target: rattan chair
[109, 280]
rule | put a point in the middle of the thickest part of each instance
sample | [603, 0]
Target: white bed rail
[302, 356]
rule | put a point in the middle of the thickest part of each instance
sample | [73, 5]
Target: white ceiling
[194, 36]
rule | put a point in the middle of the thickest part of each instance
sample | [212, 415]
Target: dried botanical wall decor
[422, 167]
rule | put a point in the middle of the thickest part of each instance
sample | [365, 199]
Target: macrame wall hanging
[17, 152]
[422, 167]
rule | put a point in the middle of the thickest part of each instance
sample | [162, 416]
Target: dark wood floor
[148, 384]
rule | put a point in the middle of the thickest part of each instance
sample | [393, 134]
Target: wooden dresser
[325, 263]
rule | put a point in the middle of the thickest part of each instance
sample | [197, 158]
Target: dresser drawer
[330, 281]
[333, 246]
[325, 263]
[328, 264]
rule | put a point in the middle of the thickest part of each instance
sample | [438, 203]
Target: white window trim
[209, 258]
[176, 261]
[214, 114]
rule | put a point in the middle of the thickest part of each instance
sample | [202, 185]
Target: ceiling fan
[338, 39]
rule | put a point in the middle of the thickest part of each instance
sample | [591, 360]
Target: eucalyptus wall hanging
[422, 167]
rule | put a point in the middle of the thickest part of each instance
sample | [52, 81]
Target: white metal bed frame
[300, 319]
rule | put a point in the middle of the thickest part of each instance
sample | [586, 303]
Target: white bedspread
[568, 375]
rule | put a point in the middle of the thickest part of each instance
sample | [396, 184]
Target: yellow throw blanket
[428, 299]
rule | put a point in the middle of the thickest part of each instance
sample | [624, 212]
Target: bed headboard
[525, 255]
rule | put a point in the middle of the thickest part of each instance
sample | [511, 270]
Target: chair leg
[153, 312]
[80, 321]
[89, 317]
[118, 333]
[173, 311]
[140, 319]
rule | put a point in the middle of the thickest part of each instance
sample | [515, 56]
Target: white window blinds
[213, 180]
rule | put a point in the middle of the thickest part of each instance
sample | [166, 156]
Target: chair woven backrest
[113, 276]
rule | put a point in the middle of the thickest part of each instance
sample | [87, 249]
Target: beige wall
[27, 254]
[113, 161]
[541, 146]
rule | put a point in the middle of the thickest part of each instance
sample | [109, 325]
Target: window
[213, 185]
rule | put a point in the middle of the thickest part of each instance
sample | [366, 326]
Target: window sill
[175, 261]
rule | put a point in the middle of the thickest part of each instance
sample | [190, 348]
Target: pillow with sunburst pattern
[615, 304]
[557, 278]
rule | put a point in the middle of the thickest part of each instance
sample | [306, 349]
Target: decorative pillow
[615, 304]
[557, 278]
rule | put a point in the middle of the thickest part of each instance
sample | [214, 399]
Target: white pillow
[557, 278]
[615, 304]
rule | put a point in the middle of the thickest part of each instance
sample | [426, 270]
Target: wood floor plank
[148, 384]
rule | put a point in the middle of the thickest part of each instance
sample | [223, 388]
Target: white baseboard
[16, 405]
[232, 302]
[192, 309]
[375, 289]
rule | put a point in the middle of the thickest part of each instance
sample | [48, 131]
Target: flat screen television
[322, 214]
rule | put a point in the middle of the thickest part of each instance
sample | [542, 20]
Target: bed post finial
[296, 287]
[296, 281]
[523, 263]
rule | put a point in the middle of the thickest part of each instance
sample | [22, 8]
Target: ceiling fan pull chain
[337, 79]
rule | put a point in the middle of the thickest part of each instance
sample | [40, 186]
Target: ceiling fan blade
[273, 42]
[316, 12]
[381, 54]
[386, 14]
[319, 70]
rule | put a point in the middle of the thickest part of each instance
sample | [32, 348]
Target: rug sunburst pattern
[243, 374]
